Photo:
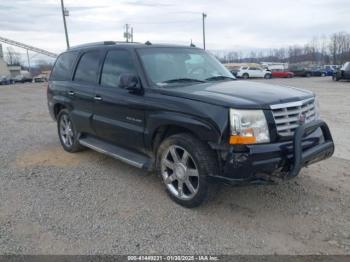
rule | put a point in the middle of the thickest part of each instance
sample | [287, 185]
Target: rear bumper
[311, 143]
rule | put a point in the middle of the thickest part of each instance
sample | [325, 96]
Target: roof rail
[93, 44]
[101, 43]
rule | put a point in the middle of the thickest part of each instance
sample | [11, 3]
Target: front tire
[245, 76]
[184, 164]
[67, 133]
[267, 76]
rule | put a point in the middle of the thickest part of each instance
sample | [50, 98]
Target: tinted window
[117, 62]
[87, 70]
[62, 70]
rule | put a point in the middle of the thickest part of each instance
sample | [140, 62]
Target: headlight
[248, 127]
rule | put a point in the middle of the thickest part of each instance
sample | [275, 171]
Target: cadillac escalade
[178, 111]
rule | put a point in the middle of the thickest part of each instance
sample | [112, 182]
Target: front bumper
[311, 143]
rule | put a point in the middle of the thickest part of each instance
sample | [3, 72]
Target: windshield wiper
[218, 78]
[182, 80]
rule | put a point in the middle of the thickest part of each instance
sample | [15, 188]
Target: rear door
[82, 89]
[118, 114]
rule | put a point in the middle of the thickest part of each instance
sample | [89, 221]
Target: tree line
[334, 49]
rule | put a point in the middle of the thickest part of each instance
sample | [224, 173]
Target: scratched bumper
[311, 143]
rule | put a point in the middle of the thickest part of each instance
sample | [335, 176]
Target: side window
[63, 68]
[117, 62]
[87, 70]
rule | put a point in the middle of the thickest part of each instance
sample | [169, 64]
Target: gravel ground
[53, 202]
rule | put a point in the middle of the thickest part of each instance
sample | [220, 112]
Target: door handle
[98, 98]
[71, 93]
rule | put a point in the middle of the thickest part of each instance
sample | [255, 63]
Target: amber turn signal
[234, 139]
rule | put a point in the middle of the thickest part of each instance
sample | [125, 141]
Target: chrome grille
[289, 116]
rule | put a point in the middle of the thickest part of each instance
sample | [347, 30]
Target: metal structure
[27, 47]
[129, 36]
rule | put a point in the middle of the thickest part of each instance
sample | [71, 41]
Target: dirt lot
[52, 202]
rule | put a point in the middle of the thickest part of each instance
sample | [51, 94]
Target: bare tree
[339, 47]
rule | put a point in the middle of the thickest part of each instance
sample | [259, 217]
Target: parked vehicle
[300, 71]
[281, 73]
[39, 79]
[342, 73]
[246, 72]
[23, 79]
[330, 69]
[234, 70]
[180, 112]
[318, 71]
[5, 80]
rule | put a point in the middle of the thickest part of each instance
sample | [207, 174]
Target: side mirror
[130, 82]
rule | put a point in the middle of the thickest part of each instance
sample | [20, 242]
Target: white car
[250, 71]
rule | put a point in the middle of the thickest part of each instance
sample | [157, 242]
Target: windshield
[173, 66]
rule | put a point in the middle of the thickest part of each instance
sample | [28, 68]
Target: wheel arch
[160, 129]
[57, 109]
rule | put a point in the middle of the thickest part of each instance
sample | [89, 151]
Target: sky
[230, 24]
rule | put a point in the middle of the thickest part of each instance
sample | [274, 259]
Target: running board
[122, 154]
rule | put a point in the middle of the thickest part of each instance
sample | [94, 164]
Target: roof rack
[101, 43]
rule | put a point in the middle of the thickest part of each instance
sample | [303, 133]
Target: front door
[118, 114]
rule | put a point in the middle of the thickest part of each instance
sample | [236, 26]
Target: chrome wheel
[179, 172]
[66, 131]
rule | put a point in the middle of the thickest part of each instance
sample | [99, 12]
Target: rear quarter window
[63, 68]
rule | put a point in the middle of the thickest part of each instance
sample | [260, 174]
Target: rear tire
[267, 76]
[67, 133]
[245, 76]
[183, 159]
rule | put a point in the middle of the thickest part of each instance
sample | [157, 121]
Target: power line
[161, 23]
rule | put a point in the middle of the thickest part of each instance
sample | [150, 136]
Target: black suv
[178, 111]
[300, 71]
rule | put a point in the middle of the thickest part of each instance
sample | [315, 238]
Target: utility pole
[132, 34]
[126, 34]
[29, 69]
[203, 20]
[65, 13]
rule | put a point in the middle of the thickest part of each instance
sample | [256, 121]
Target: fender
[202, 129]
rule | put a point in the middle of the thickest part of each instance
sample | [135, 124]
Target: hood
[239, 94]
